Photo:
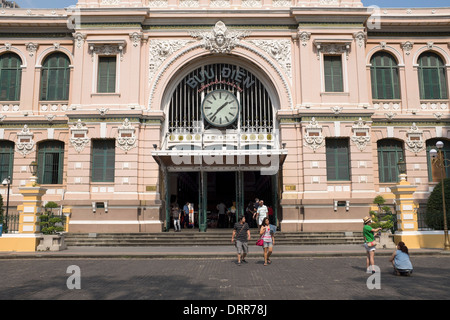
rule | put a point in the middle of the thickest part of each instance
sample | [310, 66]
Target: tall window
[431, 144]
[333, 73]
[103, 160]
[384, 75]
[389, 154]
[106, 74]
[50, 162]
[55, 78]
[10, 77]
[6, 159]
[432, 79]
[338, 160]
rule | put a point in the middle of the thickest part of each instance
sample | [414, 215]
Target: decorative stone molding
[126, 139]
[280, 50]
[220, 3]
[332, 48]
[32, 48]
[107, 49]
[407, 47]
[25, 143]
[160, 50]
[361, 136]
[414, 141]
[158, 3]
[219, 39]
[390, 115]
[304, 37]
[79, 39]
[136, 38]
[313, 135]
[103, 111]
[110, 2]
[251, 3]
[337, 110]
[79, 138]
[360, 38]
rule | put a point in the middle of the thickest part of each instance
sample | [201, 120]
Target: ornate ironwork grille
[185, 112]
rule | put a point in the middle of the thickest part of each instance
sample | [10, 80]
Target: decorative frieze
[79, 138]
[126, 139]
[313, 135]
[107, 49]
[280, 50]
[220, 39]
[25, 142]
[414, 141]
[361, 135]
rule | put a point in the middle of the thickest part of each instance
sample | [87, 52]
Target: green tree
[434, 217]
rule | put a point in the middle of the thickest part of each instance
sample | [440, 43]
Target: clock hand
[220, 108]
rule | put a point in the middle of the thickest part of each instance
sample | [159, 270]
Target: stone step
[210, 238]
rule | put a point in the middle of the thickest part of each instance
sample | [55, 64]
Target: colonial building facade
[130, 105]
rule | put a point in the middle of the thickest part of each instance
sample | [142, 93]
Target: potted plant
[51, 228]
[383, 218]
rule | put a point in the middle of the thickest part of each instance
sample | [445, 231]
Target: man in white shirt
[222, 210]
[261, 213]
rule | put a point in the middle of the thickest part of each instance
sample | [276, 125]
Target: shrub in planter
[434, 217]
[50, 224]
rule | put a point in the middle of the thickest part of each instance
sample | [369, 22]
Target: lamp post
[402, 169]
[33, 169]
[437, 159]
[7, 182]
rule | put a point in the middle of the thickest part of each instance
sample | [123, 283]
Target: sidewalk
[206, 252]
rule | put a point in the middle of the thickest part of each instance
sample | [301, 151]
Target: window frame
[337, 163]
[46, 150]
[103, 153]
[389, 149]
[115, 82]
[61, 86]
[341, 75]
[6, 152]
[387, 71]
[10, 70]
[433, 72]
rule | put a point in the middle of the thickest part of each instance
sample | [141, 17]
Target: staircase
[217, 237]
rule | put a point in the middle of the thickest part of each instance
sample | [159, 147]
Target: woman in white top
[268, 239]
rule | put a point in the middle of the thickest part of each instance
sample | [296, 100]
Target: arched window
[6, 159]
[384, 75]
[435, 174]
[10, 77]
[390, 152]
[432, 79]
[55, 78]
[50, 162]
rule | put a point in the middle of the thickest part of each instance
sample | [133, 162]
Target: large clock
[220, 108]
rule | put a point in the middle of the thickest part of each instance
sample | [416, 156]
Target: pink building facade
[127, 106]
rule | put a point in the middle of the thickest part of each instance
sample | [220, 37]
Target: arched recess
[245, 55]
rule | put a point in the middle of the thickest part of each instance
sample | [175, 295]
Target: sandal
[268, 261]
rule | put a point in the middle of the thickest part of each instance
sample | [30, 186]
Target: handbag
[372, 243]
[260, 242]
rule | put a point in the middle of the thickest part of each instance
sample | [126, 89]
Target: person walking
[369, 243]
[268, 239]
[221, 208]
[241, 234]
[400, 260]
[261, 213]
[176, 214]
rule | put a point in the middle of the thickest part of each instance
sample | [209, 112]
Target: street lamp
[7, 182]
[437, 159]
[402, 169]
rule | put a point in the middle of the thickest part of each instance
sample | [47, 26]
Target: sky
[380, 3]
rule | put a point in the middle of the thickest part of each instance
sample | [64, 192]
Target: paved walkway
[208, 252]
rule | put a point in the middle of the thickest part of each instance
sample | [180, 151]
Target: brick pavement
[297, 278]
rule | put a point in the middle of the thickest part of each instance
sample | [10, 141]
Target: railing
[10, 223]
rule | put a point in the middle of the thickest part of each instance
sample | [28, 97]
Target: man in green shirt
[369, 237]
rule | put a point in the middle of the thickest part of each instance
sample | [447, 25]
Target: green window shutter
[389, 154]
[333, 74]
[50, 162]
[103, 160]
[6, 159]
[338, 160]
[10, 77]
[384, 76]
[432, 77]
[106, 75]
[55, 78]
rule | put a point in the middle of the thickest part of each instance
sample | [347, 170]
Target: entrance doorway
[231, 193]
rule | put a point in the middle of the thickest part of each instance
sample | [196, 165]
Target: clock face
[220, 108]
